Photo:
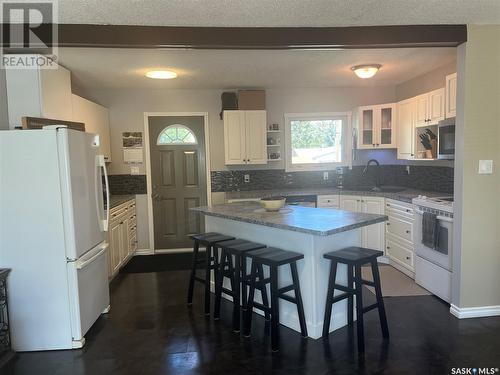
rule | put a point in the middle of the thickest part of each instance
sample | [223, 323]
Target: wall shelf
[274, 131]
[278, 145]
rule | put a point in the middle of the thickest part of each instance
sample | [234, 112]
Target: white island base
[313, 269]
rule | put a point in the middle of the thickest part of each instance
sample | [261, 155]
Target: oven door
[443, 255]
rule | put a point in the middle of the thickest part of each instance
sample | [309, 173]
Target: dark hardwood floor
[151, 331]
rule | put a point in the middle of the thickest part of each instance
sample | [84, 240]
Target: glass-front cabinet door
[366, 134]
[387, 137]
[376, 127]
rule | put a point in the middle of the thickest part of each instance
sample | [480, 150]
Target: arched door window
[176, 135]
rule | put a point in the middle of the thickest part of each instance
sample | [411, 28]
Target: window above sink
[317, 141]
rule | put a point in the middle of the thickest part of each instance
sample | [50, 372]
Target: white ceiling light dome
[366, 70]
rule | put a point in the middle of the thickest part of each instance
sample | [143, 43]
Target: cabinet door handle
[408, 258]
[121, 222]
[388, 247]
[408, 231]
[388, 223]
[407, 210]
[373, 144]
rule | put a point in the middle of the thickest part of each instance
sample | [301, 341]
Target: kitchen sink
[383, 189]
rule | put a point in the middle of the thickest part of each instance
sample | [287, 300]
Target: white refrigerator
[54, 213]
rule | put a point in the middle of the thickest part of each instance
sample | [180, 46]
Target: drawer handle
[408, 258]
[407, 210]
[408, 231]
[388, 223]
[121, 222]
[388, 247]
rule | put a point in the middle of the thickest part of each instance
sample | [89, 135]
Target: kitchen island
[309, 231]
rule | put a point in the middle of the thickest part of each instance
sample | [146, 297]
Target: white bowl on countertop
[272, 204]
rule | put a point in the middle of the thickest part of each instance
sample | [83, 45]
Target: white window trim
[289, 167]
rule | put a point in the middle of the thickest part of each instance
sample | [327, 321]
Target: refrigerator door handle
[85, 263]
[101, 163]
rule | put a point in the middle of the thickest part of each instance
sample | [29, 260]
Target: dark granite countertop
[316, 221]
[405, 196]
[116, 200]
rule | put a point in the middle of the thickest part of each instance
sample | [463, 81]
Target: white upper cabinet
[256, 137]
[451, 95]
[245, 137]
[406, 128]
[38, 93]
[430, 108]
[96, 120]
[376, 126]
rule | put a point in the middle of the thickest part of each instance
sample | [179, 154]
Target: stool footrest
[286, 289]
[262, 307]
[340, 297]
[344, 288]
[288, 298]
[261, 283]
[367, 282]
[201, 280]
[227, 291]
[370, 307]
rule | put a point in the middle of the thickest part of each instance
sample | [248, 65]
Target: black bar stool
[236, 272]
[209, 261]
[354, 258]
[273, 258]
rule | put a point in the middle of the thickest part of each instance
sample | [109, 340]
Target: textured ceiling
[279, 12]
[203, 69]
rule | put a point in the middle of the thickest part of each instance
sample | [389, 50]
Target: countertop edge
[345, 228]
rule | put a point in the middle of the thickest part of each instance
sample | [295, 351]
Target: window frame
[346, 141]
[177, 126]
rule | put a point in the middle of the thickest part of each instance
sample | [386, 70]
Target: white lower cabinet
[122, 236]
[372, 236]
[328, 201]
[399, 236]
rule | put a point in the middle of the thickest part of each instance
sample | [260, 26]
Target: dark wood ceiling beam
[123, 36]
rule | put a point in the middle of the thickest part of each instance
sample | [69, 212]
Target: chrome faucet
[377, 175]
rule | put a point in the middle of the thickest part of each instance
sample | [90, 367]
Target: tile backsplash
[125, 184]
[420, 177]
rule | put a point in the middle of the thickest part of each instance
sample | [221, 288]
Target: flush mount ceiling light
[366, 71]
[161, 74]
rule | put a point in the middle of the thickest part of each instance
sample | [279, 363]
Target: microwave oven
[446, 139]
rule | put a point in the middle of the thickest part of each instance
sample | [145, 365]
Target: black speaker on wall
[229, 102]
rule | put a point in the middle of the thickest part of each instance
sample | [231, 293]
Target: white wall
[477, 220]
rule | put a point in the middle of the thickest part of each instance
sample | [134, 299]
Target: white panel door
[234, 137]
[436, 106]
[350, 203]
[256, 137]
[406, 129]
[373, 236]
[451, 95]
[82, 191]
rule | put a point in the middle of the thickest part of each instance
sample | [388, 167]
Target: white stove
[429, 204]
[433, 266]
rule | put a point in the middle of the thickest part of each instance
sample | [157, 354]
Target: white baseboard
[143, 252]
[474, 312]
[174, 251]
